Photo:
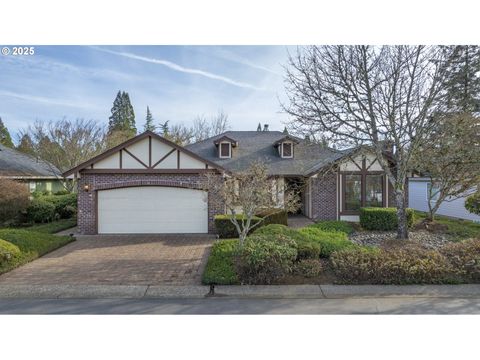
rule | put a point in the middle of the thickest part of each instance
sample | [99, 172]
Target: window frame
[363, 185]
[229, 150]
[291, 149]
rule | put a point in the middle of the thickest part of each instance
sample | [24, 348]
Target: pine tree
[164, 130]
[5, 138]
[463, 79]
[285, 131]
[149, 125]
[259, 127]
[123, 116]
[26, 145]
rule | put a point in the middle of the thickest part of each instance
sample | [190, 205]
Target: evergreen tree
[26, 145]
[259, 127]
[123, 116]
[164, 129]
[462, 88]
[5, 138]
[149, 125]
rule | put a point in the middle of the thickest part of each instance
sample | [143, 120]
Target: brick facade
[87, 200]
[324, 197]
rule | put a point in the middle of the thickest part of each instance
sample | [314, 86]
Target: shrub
[14, 199]
[382, 219]
[65, 205]
[333, 225]
[225, 228]
[329, 241]
[408, 265]
[464, 256]
[308, 268]
[273, 216]
[220, 268]
[40, 211]
[263, 259]
[472, 203]
[62, 192]
[306, 249]
[8, 251]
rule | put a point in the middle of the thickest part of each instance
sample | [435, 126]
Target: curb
[236, 291]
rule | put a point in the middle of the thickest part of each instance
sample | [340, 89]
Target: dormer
[285, 147]
[224, 147]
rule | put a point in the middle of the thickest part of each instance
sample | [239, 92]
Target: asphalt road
[397, 305]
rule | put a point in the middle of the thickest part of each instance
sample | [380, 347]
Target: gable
[147, 152]
[355, 163]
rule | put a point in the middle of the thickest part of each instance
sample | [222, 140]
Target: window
[225, 150]
[353, 192]
[287, 150]
[374, 190]
[433, 192]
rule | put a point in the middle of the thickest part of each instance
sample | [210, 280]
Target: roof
[259, 145]
[16, 164]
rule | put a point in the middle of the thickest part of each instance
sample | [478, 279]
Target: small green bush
[225, 228]
[465, 257]
[220, 268]
[40, 211]
[406, 265]
[273, 216]
[263, 259]
[308, 268]
[382, 219]
[333, 225]
[329, 241]
[65, 205]
[8, 251]
[472, 203]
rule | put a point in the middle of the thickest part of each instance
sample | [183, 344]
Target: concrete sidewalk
[246, 291]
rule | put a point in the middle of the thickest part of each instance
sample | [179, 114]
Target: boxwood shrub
[382, 219]
[273, 216]
[333, 225]
[329, 241]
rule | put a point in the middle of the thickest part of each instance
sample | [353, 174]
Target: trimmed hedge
[382, 219]
[333, 225]
[40, 211]
[329, 241]
[220, 268]
[226, 229]
[65, 205]
[8, 251]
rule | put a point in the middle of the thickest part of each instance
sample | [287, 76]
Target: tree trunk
[402, 230]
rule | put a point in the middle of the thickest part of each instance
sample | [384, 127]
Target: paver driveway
[119, 260]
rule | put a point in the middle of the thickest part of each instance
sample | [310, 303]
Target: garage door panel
[151, 209]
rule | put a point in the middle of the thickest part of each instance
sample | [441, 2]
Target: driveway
[119, 260]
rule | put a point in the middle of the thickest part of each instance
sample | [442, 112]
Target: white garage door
[151, 209]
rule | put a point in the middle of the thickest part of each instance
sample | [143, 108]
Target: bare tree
[179, 134]
[369, 95]
[203, 128]
[219, 123]
[246, 193]
[450, 158]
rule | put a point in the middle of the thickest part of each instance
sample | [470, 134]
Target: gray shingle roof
[14, 163]
[259, 145]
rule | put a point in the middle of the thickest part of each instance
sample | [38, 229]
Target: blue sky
[177, 82]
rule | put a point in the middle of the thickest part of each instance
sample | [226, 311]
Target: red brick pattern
[87, 222]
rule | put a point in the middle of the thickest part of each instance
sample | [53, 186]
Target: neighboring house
[37, 174]
[151, 185]
[418, 189]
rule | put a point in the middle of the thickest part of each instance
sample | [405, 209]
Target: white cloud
[182, 69]
[41, 99]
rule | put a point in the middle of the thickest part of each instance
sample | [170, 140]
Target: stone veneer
[87, 207]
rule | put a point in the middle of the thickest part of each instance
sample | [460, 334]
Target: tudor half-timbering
[151, 185]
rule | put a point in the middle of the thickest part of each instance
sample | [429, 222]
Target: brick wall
[87, 222]
[324, 197]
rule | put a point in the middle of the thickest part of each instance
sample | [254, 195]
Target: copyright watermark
[18, 50]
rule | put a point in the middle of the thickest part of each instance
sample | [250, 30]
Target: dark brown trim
[95, 193]
[147, 171]
[134, 140]
[225, 139]
[149, 151]
[136, 158]
[163, 158]
[178, 159]
[120, 158]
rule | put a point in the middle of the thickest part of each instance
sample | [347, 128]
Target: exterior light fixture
[86, 187]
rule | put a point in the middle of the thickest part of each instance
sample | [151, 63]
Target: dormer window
[225, 150]
[287, 150]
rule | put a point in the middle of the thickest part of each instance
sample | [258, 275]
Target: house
[37, 174]
[151, 185]
[418, 190]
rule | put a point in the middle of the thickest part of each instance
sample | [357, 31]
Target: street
[385, 305]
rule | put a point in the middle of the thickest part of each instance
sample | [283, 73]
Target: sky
[178, 83]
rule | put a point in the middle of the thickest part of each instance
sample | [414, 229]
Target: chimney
[265, 127]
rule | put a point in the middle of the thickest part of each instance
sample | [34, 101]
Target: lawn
[31, 244]
[457, 229]
[54, 226]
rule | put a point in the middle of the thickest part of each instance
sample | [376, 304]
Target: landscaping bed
[336, 252]
[20, 246]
